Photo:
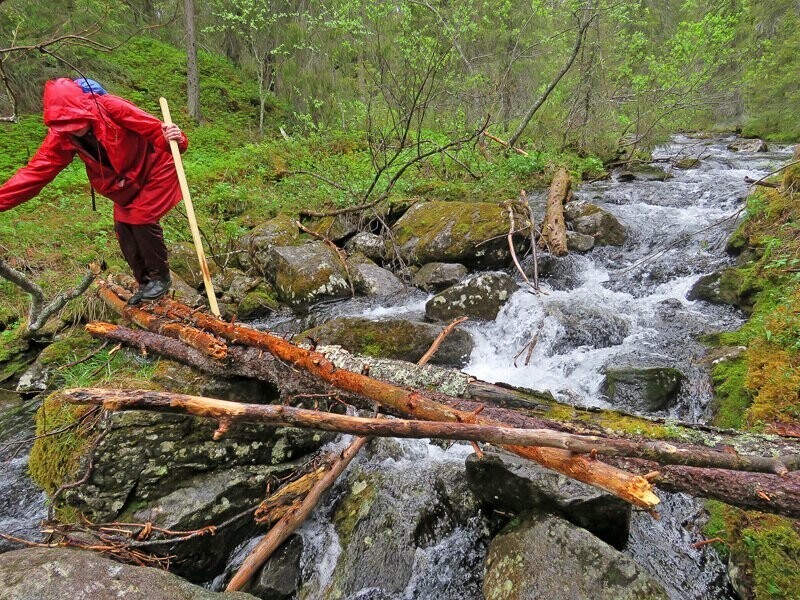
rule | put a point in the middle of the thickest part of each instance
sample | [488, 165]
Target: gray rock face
[584, 326]
[370, 245]
[393, 338]
[510, 483]
[472, 233]
[479, 297]
[435, 277]
[542, 556]
[255, 246]
[372, 280]
[578, 242]
[643, 388]
[603, 227]
[754, 145]
[60, 574]
[279, 578]
[303, 275]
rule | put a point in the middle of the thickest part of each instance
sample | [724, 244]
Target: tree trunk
[554, 229]
[192, 76]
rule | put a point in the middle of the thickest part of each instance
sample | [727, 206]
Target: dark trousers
[144, 250]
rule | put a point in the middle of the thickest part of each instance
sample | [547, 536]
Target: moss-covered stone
[462, 232]
[255, 247]
[479, 297]
[303, 275]
[257, 303]
[183, 260]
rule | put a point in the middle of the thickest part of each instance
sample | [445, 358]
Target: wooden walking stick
[187, 199]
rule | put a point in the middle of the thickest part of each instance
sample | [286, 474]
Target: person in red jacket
[128, 160]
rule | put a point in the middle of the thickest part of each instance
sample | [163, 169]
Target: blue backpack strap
[90, 86]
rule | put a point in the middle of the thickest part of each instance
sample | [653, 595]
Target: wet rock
[744, 145]
[435, 277]
[646, 389]
[233, 284]
[651, 173]
[578, 242]
[543, 556]
[394, 338]
[404, 526]
[183, 261]
[279, 578]
[725, 287]
[254, 248]
[686, 163]
[370, 245]
[257, 303]
[183, 292]
[479, 297]
[562, 272]
[510, 483]
[303, 275]
[372, 280]
[625, 176]
[35, 378]
[56, 574]
[594, 326]
[472, 233]
[601, 225]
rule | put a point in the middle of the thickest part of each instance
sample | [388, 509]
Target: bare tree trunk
[192, 76]
[554, 229]
[582, 26]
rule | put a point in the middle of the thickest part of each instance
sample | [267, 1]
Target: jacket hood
[65, 102]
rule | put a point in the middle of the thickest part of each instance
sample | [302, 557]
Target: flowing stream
[623, 306]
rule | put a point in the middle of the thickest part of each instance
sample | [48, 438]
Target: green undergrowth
[758, 391]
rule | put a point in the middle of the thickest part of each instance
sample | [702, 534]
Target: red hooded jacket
[141, 177]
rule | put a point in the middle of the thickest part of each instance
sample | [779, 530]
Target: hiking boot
[155, 289]
[136, 298]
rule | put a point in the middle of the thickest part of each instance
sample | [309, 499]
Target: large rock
[592, 220]
[258, 302]
[60, 574]
[408, 529]
[183, 261]
[646, 389]
[542, 556]
[254, 247]
[393, 338]
[336, 227]
[727, 286]
[370, 245]
[744, 145]
[651, 173]
[303, 275]
[579, 242]
[473, 233]
[435, 277]
[279, 578]
[479, 297]
[372, 280]
[594, 326]
[510, 483]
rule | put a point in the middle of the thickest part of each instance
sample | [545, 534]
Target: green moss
[731, 399]
[56, 459]
[354, 507]
[256, 303]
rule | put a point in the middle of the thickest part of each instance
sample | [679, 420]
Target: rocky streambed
[414, 519]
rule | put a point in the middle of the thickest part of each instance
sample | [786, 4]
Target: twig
[503, 143]
[511, 228]
[439, 339]
[85, 358]
[786, 166]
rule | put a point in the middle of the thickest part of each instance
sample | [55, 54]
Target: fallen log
[293, 519]
[279, 415]
[554, 229]
[250, 362]
[633, 489]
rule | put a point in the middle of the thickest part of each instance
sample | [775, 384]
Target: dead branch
[554, 229]
[503, 143]
[440, 338]
[511, 228]
[291, 521]
[279, 415]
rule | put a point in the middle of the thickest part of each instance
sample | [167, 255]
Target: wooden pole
[187, 199]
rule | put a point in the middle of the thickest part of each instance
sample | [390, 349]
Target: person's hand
[171, 132]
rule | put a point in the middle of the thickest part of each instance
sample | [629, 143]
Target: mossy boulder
[646, 389]
[59, 573]
[462, 232]
[748, 145]
[729, 286]
[651, 173]
[371, 280]
[183, 261]
[435, 277]
[335, 228]
[370, 245]
[303, 275]
[509, 483]
[791, 176]
[543, 556]
[393, 338]
[589, 219]
[686, 163]
[254, 248]
[257, 303]
[479, 297]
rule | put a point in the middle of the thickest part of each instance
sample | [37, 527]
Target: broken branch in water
[439, 339]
